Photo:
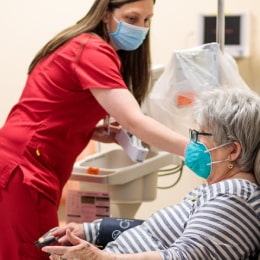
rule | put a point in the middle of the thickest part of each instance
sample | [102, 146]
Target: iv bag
[189, 73]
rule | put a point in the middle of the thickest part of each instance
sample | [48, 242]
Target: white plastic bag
[189, 73]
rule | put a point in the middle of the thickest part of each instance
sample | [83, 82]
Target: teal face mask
[128, 37]
[198, 158]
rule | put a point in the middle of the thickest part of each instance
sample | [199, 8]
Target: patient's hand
[75, 228]
[81, 250]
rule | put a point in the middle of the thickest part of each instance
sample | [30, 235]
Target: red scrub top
[56, 114]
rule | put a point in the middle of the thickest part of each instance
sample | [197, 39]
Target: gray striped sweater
[218, 221]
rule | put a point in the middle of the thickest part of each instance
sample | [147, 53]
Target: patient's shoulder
[245, 191]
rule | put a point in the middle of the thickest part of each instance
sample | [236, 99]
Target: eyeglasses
[194, 134]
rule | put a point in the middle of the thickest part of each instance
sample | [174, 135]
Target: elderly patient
[219, 220]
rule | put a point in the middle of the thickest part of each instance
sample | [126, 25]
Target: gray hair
[233, 115]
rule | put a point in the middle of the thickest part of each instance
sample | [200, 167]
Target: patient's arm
[223, 228]
[82, 250]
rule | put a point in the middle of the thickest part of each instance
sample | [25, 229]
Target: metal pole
[221, 25]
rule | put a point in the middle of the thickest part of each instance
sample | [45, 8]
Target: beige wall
[27, 25]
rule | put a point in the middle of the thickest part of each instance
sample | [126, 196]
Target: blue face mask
[128, 37]
[198, 158]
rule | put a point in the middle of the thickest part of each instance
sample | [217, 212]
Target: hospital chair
[111, 228]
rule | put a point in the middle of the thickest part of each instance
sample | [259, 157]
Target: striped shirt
[218, 221]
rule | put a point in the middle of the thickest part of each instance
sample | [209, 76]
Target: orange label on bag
[93, 170]
[185, 99]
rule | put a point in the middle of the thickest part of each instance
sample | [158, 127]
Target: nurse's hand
[104, 134]
[75, 228]
[80, 250]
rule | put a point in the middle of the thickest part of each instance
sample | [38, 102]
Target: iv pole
[221, 25]
[220, 35]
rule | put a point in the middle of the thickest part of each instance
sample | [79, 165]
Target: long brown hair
[135, 64]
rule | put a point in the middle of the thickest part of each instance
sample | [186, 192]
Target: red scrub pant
[25, 215]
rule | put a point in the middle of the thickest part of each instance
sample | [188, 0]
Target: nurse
[97, 67]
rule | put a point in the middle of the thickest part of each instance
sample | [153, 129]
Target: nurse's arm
[121, 105]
